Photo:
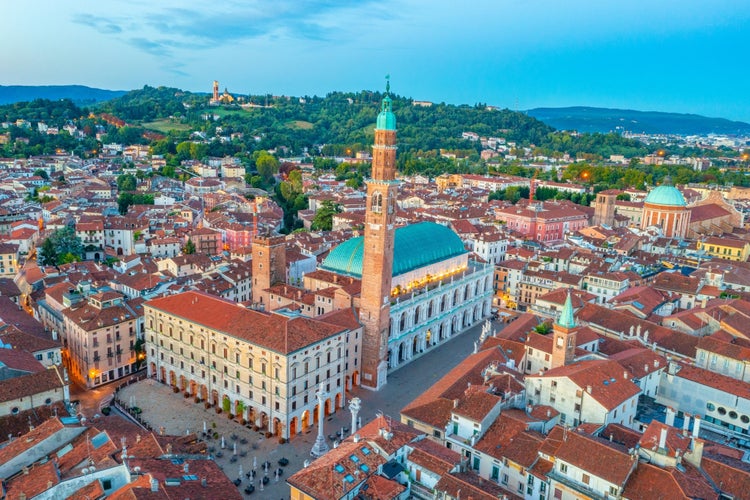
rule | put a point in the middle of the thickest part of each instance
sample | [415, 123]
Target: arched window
[377, 202]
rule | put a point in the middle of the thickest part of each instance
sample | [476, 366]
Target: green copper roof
[666, 195]
[386, 118]
[416, 246]
[566, 319]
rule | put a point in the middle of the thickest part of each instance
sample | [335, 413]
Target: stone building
[259, 366]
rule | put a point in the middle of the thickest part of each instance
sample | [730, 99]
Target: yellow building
[725, 248]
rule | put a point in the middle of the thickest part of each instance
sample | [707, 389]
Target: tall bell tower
[377, 265]
[564, 336]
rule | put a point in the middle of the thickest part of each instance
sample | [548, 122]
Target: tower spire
[387, 84]
[566, 319]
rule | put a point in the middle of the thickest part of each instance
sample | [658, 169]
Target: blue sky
[664, 55]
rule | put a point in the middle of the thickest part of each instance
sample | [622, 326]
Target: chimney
[695, 455]
[663, 438]
[154, 484]
[625, 374]
[204, 483]
[455, 403]
[669, 418]
[696, 426]
[685, 424]
[589, 389]
[186, 468]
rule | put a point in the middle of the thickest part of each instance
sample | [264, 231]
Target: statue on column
[320, 447]
[354, 406]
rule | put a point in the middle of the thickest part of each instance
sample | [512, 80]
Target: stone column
[320, 447]
[354, 406]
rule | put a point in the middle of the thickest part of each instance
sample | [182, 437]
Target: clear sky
[665, 55]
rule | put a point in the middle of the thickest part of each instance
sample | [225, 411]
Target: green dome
[666, 195]
[386, 118]
[417, 245]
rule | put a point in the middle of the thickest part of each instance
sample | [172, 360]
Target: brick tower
[604, 213]
[377, 265]
[564, 336]
[269, 267]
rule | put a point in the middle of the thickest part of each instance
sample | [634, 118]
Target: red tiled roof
[38, 479]
[477, 405]
[273, 331]
[594, 374]
[732, 474]
[596, 457]
[714, 380]
[650, 481]
[675, 441]
[33, 383]
[469, 486]
[434, 406]
[322, 479]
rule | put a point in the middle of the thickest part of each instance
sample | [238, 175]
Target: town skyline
[508, 55]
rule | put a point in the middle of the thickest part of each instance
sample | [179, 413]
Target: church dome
[416, 245]
[666, 195]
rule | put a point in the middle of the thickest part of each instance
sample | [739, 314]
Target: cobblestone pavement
[178, 415]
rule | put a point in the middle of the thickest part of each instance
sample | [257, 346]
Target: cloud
[160, 30]
[100, 24]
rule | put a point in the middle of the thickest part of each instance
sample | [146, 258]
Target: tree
[189, 247]
[323, 220]
[126, 199]
[61, 247]
[266, 164]
[41, 173]
[544, 328]
[126, 182]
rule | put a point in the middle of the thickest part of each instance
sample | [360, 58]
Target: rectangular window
[585, 479]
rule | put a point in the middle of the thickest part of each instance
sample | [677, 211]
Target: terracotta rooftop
[650, 481]
[272, 331]
[605, 378]
[713, 380]
[434, 406]
[469, 486]
[732, 474]
[477, 405]
[595, 457]
[329, 476]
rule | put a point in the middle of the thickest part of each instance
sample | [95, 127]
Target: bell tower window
[377, 202]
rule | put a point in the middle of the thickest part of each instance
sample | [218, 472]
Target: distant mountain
[79, 94]
[588, 119]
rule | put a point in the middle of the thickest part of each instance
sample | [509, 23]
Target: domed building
[665, 207]
[436, 290]
[418, 285]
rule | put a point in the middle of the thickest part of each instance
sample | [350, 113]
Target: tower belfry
[564, 336]
[377, 265]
